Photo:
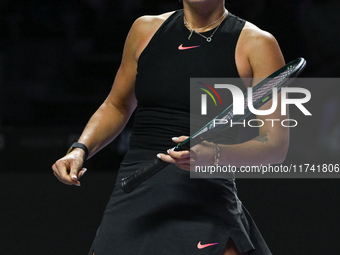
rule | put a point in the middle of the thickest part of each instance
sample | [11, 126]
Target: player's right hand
[69, 169]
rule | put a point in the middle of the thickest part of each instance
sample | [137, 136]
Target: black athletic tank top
[163, 80]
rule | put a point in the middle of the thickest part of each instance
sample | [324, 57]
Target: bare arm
[112, 116]
[109, 120]
[264, 57]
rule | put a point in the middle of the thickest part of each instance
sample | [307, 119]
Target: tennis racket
[262, 93]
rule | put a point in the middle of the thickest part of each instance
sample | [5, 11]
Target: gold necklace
[202, 28]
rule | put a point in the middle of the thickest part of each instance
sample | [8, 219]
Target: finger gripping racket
[262, 93]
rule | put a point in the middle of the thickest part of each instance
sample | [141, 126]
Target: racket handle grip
[130, 182]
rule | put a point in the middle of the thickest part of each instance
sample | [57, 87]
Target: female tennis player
[170, 213]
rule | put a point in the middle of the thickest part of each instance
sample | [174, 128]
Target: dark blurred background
[58, 60]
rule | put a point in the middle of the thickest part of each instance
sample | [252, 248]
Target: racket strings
[275, 82]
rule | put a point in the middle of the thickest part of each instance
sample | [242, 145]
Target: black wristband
[81, 146]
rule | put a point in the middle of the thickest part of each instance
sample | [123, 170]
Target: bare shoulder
[258, 52]
[254, 37]
[144, 28]
[151, 21]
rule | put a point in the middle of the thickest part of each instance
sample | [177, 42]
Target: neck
[202, 13]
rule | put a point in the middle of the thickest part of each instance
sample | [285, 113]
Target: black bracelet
[81, 146]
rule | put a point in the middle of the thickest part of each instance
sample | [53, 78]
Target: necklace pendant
[209, 39]
[190, 34]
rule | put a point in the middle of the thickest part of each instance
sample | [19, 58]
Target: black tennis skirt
[171, 214]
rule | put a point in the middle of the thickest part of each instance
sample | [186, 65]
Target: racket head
[262, 92]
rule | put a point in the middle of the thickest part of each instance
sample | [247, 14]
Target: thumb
[74, 172]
